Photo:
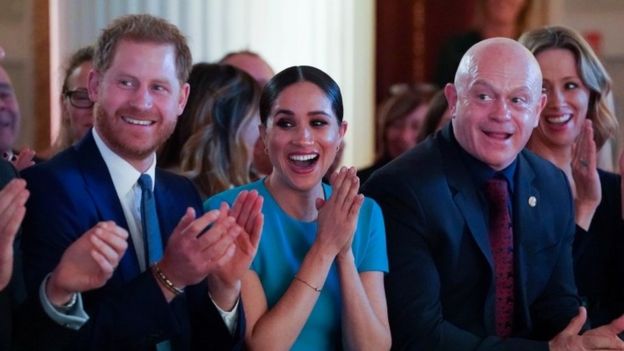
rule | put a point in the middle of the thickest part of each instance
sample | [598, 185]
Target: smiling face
[302, 135]
[568, 98]
[80, 119]
[496, 102]
[138, 99]
[9, 113]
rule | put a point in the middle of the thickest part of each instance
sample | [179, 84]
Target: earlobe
[450, 92]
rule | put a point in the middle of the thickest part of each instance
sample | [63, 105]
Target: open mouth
[304, 160]
[560, 119]
[137, 122]
[498, 135]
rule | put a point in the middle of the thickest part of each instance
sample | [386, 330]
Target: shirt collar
[123, 174]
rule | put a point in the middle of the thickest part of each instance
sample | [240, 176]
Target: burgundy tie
[501, 242]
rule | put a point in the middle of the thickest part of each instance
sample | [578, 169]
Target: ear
[342, 129]
[93, 84]
[185, 90]
[450, 92]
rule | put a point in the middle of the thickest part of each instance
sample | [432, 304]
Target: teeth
[303, 157]
[137, 121]
[560, 119]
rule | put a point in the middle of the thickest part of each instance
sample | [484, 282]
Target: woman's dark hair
[296, 74]
[207, 144]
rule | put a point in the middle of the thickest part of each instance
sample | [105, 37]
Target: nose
[555, 97]
[502, 111]
[142, 99]
[304, 135]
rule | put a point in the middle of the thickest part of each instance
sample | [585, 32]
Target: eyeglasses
[79, 98]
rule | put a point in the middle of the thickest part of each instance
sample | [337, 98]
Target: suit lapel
[102, 191]
[465, 194]
[526, 226]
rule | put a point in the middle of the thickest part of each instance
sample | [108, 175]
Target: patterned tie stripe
[501, 242]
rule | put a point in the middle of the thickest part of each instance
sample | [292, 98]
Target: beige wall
[16, 38]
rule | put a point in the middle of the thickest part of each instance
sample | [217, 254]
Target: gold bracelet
[161, 277]
[318, 290]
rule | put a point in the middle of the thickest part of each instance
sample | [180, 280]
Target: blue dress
[285, 242]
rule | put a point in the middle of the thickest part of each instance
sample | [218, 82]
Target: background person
[575, 123]
[254, 64]
[399, 121]
[76, 106]
[214, 140]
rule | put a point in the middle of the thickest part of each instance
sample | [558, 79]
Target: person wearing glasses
[76, 107]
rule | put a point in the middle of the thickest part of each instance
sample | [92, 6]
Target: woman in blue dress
[316, 282]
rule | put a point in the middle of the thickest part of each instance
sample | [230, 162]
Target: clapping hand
[225, 282]
[601, 338]
[12, 209]
[338, 215]
[88, 262]
[585, 174]
[192, 252]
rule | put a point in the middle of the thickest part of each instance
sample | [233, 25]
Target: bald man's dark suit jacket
[440, 288]
[70, 194]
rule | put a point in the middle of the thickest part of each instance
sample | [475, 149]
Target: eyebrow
[311, 113]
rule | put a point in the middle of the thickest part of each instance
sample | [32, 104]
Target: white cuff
[230, 318]
[73, 317]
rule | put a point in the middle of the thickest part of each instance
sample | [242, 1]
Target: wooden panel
[409, 34]
[41, 41]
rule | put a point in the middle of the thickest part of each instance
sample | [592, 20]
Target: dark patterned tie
[149, 219]
[501, 242]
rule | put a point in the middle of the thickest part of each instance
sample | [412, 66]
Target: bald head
[502, 54]
[496, 100]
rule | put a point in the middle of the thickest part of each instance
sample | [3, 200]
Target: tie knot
[496, 191]
[145, 182]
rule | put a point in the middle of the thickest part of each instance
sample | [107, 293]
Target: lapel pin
[532, 201]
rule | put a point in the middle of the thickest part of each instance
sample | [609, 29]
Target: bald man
[462, 276]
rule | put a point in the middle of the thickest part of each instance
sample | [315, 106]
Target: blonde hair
[591, 71]
[207, 144]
